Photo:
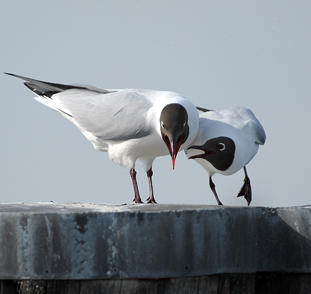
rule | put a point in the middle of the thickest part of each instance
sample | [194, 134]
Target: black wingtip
[14, 75]
[203, 109]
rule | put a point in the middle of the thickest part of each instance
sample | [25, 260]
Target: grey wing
[120, 115]
[260, 134]
[249, 117]
[109, 115]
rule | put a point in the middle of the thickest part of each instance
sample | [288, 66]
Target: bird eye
[221, 146]
[162, 124]
[184, 124]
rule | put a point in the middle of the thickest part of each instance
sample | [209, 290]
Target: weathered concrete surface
[85, 241]
[246, 283]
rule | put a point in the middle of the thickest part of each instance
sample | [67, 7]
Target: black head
[218, 151]
[174, 127]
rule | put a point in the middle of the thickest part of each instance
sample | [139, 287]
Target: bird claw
[151, 200]
[246, 191]
[138, 201]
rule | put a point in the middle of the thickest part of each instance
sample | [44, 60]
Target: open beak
[202, 155]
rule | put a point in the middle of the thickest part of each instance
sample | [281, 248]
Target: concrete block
[97, 241]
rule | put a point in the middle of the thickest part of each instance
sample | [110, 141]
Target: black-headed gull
[229, 138]
[129, 124]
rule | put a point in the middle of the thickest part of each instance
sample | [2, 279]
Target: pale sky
[217, 54]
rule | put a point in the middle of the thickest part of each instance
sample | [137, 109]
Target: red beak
[173, 147]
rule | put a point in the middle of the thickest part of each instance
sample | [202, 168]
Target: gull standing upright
[229, 139]
[129, 124]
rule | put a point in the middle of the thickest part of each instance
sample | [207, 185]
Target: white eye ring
[184, 124]
[221, 146]
[162, 124]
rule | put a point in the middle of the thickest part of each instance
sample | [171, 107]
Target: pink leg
[151, 195]
[137, 198]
